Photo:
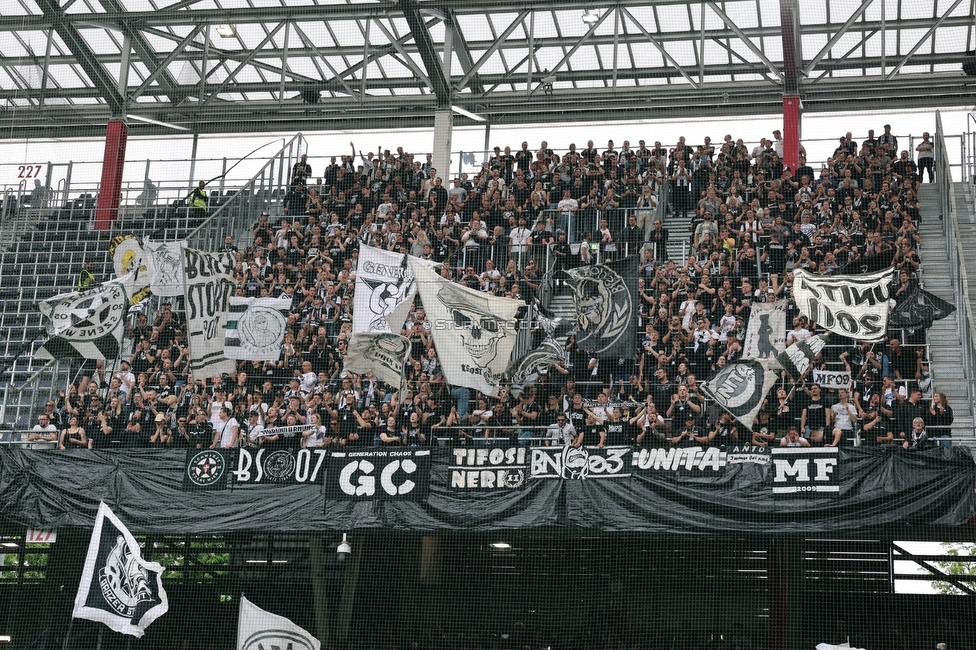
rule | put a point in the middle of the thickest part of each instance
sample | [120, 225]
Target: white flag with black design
[855, 306]
[208, 284]
[766, 332]
[256, 328]
[88, 324]
[474, 333]
[164, 267]
[257, 628]
[740, 388]
[799, 357]
[385, 288]
[381, 353]
[118, 587]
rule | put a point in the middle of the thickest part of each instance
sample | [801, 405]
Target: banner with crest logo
[118, 587]
[740, 388]
[606, 302]
[256, 328]
[88, 323]
[474, 333]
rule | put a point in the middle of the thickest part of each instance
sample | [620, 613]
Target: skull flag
[474, 333]
[118, 587]
[606, 306]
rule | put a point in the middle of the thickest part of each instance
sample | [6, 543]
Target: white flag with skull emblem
[474, 333]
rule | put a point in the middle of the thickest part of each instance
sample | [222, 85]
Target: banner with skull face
[606, 305]
[385, 287]
[118, 587]
[381, 353]
[474, 333]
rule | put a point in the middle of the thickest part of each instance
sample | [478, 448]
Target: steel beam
[428, 52]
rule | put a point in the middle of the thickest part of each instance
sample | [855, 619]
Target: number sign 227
[28, 171]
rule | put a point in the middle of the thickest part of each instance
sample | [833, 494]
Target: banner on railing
[208, 285]
[832, 378]
[378, 475]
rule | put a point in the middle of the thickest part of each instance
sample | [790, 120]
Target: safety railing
[958, 273]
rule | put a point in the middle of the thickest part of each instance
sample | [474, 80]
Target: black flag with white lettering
[919, 310]
[378, 475]
[118, 587]
[606, 302]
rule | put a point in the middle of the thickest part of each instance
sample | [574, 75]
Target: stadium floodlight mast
[343, 549]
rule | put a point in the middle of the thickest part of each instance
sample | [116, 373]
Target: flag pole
[67, 635]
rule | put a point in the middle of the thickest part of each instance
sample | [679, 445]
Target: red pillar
[791, 132]
[113, 162]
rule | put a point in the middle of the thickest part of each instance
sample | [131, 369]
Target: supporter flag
[118, 587]
[208, 285]
[474, 333]
[740, 388]
[381, 353]
[606, 305]
[385, 287]
[256, 328]
[86, 324]
[797, 359]
[855, 306]
[526, 371]
[257, 628]
[164, 267]
[919, 310]
[766, 333]
[128, 260]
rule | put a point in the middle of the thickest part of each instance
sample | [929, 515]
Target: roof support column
[441, 151]
[113, 162]
[791, 132]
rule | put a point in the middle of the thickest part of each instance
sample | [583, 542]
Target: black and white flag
[526, 371]
[208, 285]
[128, 261]
[88, 324]
[258, 629]
[605, 296]
[118, 587]
[385, 287]
[740, 388]
[797, 359]
[868, 264]
[919, 310]
[474, 333]
[855, 306]
[766, 333]
[164, 267]
[256, 328]
[383, 354]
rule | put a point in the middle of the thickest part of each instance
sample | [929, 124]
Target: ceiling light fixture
[467, 114]
[590, 16]
[502, 546]
[149, 120]
[10, 545]
[226, 30]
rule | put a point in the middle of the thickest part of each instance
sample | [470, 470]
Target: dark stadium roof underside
[341, 64]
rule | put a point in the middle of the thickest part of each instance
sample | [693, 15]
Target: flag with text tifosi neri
[256, 328]
[118, 587]
[88, 324]
[605, 296]
[474, 332]
[208, 285]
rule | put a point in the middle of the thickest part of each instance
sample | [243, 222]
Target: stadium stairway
[950, 376]
[679, 237]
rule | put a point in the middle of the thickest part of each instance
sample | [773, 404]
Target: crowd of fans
[501, 231]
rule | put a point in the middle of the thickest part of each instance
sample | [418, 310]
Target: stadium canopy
[217, 66]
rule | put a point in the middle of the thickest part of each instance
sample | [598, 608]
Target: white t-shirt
[226, 430]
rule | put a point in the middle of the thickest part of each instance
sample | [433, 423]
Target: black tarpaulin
[877, 487]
